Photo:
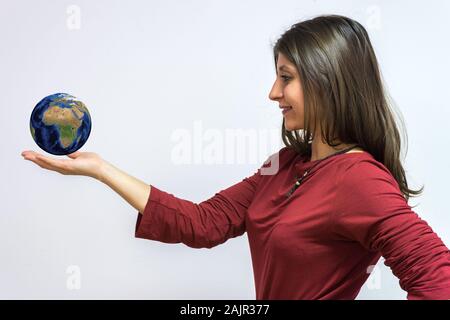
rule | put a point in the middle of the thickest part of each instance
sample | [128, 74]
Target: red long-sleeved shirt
[320, 242]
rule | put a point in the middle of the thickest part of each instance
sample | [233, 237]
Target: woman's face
[287, 91]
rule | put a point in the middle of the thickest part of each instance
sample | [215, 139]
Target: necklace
[299, 181]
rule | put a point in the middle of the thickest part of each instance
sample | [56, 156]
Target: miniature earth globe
[60, 124]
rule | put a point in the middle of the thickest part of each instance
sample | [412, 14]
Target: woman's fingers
[42, 163]
[58, 165]
[26, 153]
[50, 164]
[29, 155]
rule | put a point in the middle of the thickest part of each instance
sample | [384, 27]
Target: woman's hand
[81, 163]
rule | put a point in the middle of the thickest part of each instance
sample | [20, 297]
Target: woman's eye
[285, 78]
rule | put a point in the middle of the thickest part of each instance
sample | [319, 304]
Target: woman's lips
[285, 110]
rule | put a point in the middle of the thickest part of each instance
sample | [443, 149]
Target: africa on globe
[60, 124]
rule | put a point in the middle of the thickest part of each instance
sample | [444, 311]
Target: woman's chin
[292, 127]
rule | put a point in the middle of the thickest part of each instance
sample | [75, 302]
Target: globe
[60, 124]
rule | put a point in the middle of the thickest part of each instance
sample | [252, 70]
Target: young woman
[338, 198]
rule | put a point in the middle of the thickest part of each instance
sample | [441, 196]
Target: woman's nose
[275, 93]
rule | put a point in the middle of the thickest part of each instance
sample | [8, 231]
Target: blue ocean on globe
[60, 124]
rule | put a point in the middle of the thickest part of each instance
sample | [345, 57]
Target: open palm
[80, 163]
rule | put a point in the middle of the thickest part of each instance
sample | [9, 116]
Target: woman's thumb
[74, 155]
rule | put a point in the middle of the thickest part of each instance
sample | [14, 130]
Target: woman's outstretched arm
[164, 217]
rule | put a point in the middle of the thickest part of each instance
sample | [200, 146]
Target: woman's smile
[286, 110]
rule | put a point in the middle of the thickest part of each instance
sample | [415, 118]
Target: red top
[319, 243]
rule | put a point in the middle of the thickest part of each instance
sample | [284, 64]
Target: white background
[147, 69]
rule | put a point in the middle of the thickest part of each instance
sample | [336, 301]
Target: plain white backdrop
[150, 70]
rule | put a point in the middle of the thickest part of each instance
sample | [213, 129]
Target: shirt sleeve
[371, 210]
[170, 219]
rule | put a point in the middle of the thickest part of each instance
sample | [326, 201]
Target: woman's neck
[320, 150]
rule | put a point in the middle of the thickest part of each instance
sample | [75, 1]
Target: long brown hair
[342, 85]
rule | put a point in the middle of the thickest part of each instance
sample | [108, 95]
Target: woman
[333, 201]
